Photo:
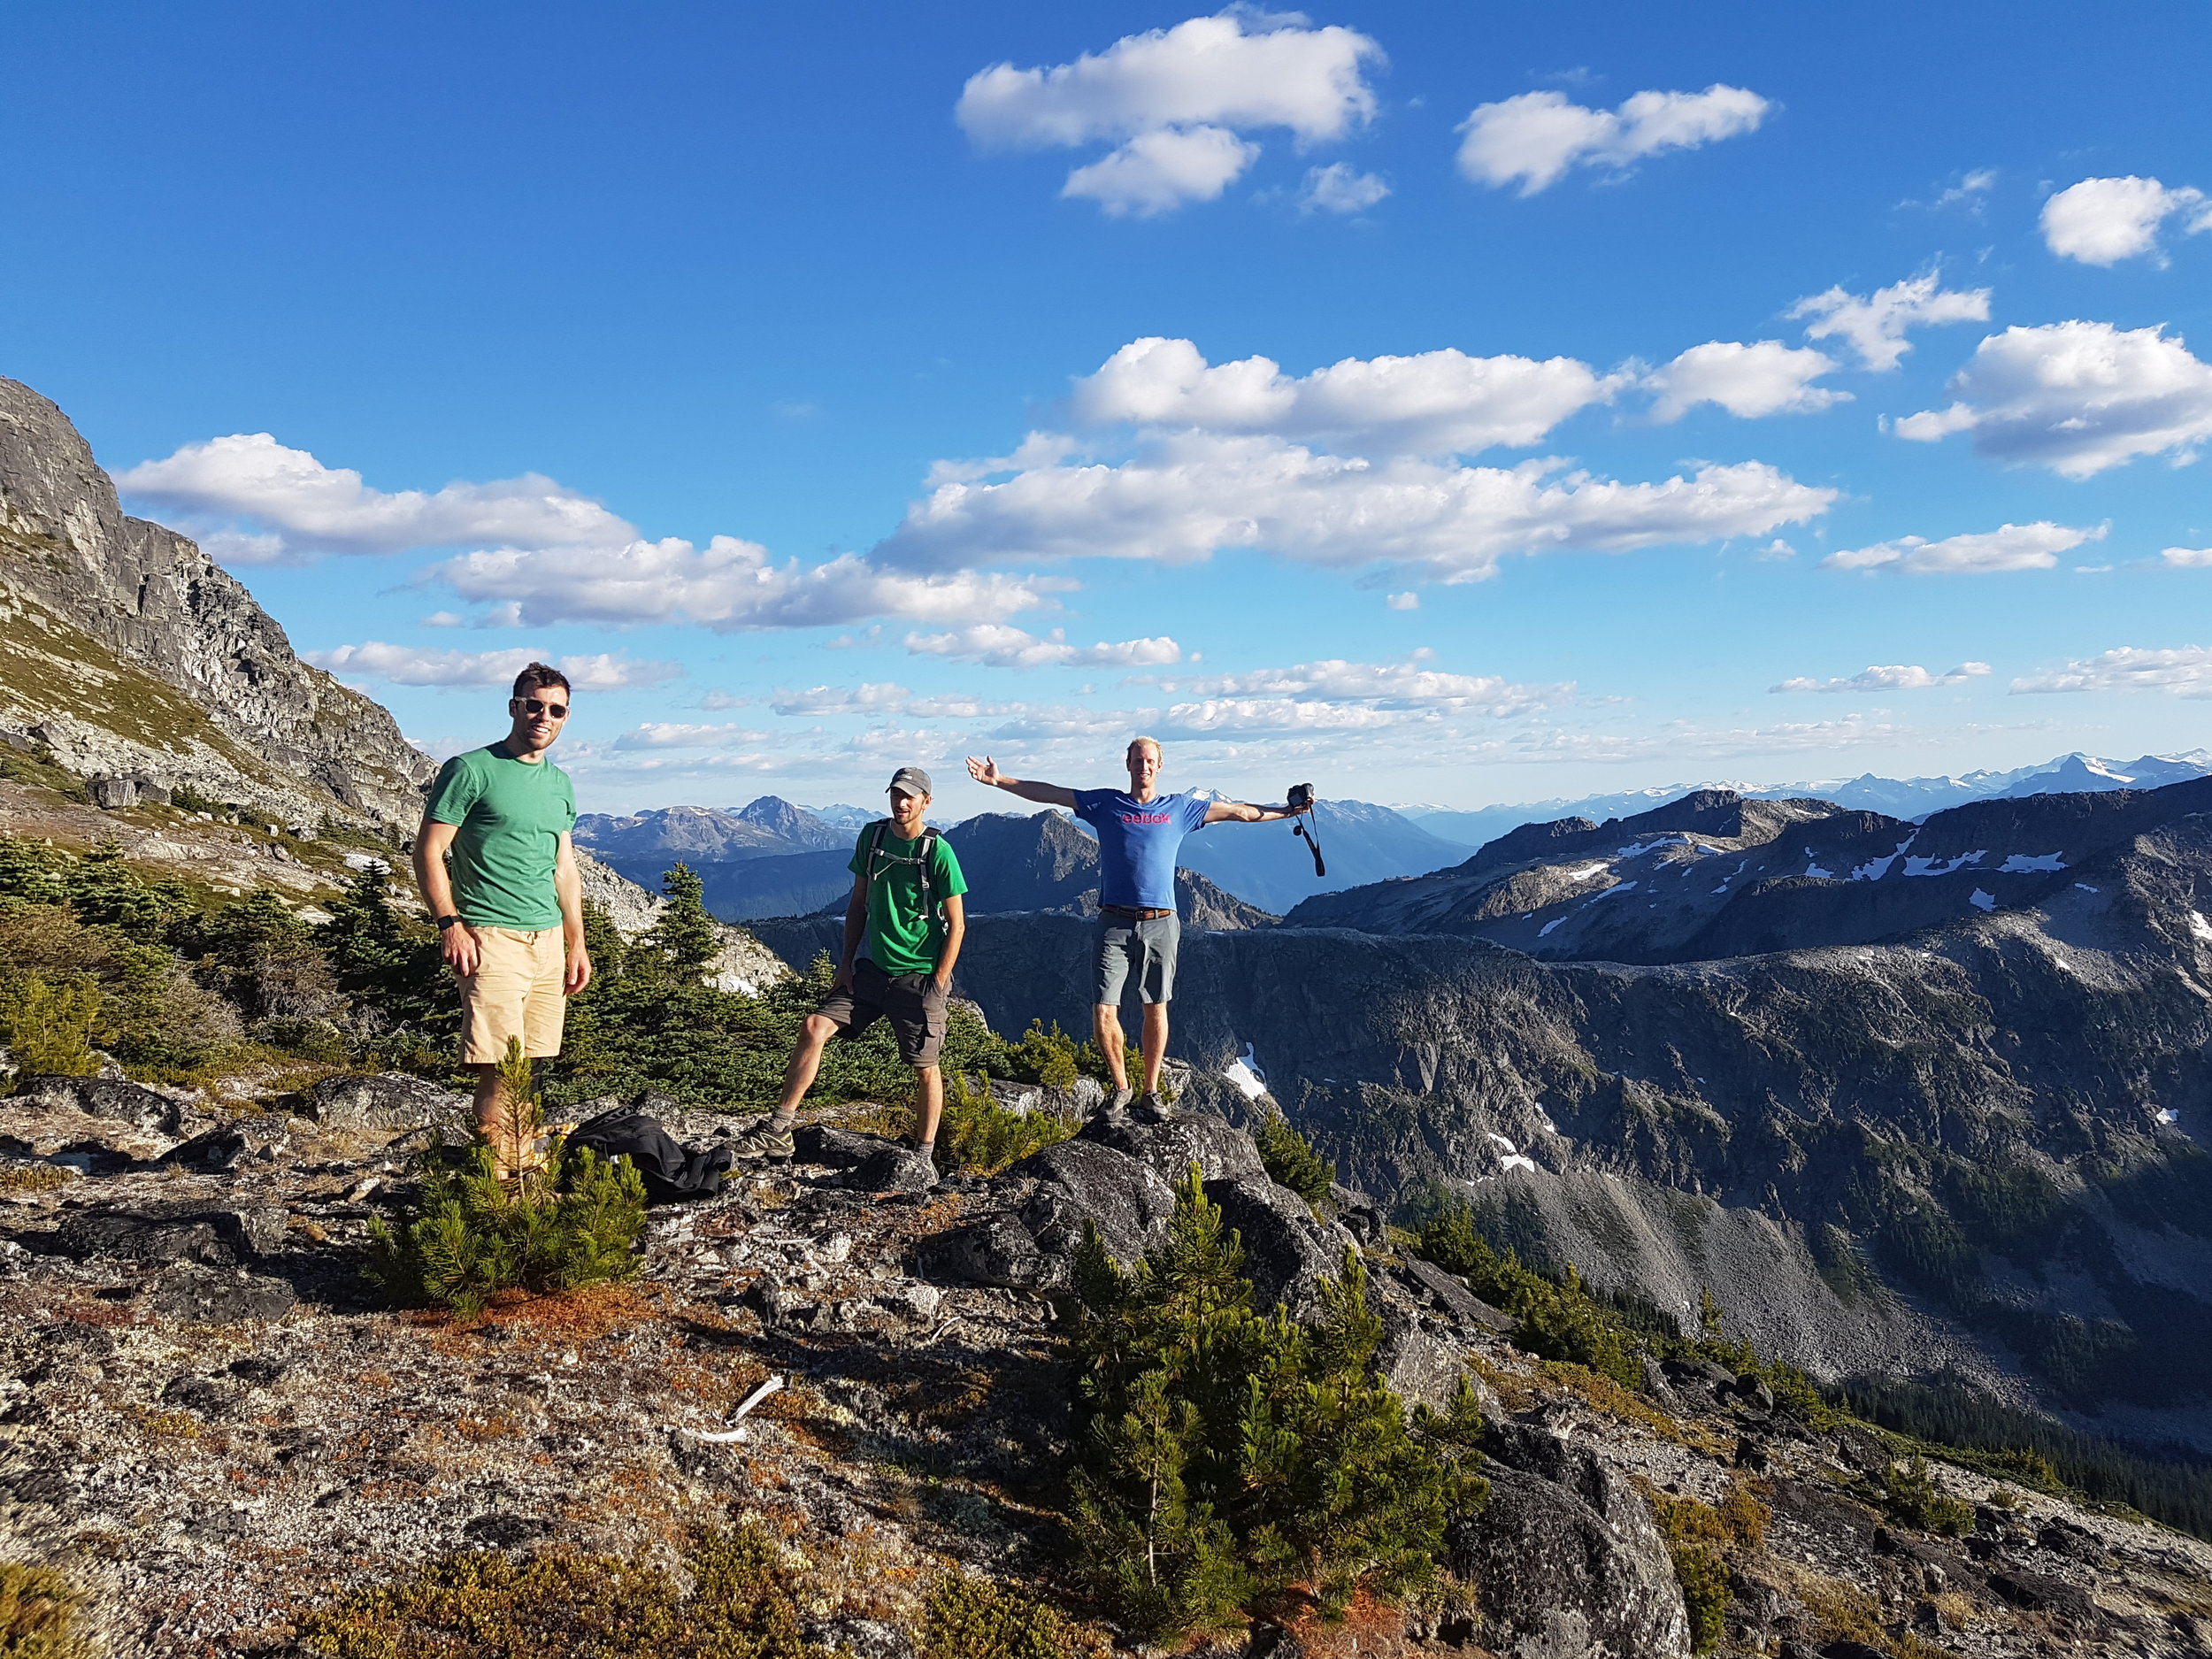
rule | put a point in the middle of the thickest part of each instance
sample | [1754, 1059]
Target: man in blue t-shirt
[1139, 830]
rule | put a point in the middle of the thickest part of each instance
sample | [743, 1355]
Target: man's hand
[578, 973]
[942, 984]
[985, 771]
[458, 944]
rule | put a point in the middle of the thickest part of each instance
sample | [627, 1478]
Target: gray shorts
[910, 1001]
[1143, 950]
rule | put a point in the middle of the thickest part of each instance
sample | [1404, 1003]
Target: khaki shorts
[515, 991]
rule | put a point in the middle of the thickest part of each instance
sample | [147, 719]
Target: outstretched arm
[1244, 812]
[985, 770]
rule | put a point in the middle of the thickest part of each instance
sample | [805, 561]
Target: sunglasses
[532, 706]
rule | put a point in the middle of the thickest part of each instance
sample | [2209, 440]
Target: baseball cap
[909, 780]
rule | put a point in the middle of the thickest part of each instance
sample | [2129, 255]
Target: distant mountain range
[1895, 797]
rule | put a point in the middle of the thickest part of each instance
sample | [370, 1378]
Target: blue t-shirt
[1137, 844]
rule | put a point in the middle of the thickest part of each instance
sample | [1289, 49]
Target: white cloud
[671, 735]
[880, 697]
[1535, 138]
[2077, 397]
[1155, 172]
[1175, 102]
[2186, 672]
[412, 665]
[1890, 677]
[1403, 602]
[303, 506]
[997, 645]
[2103, 222]
[1187, 495]
[1340, 187]
[2011, 547]
[728, 586]
[1405, 686]
[1765, 378]
[1432, 403]
[1875, 326]
[2188, 557]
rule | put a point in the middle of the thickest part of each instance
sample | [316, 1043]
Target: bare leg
[1155, 1044]
[487, 1098]
[806, 1060]
[1106, 1028]
[932, 1082]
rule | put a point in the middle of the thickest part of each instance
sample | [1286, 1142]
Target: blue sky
[464, 331]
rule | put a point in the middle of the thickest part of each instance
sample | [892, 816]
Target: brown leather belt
[1133, 913]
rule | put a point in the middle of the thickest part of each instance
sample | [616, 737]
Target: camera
[1300, 799]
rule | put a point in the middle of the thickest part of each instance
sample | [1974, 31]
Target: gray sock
[783, 1118]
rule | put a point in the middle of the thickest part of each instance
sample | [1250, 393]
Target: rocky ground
[207, 1422]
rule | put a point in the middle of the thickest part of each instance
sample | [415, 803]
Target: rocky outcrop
[134, 660]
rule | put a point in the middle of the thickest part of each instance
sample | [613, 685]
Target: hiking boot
[1150, 1108]
[763, 1140]
[1119, 1101]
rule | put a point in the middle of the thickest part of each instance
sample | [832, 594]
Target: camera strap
[1313, 842]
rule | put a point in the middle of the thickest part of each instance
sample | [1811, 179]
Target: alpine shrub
[1555, 1321]
[1291, 1160]
[1235, 1462]
[38, 1614]
[51, 1028]
[967, 1617]
[495, 1218]
[1911, 1495]
[979, 1135]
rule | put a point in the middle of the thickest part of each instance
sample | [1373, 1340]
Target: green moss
[38, 1614]
[970, 1617]
[485, 1606]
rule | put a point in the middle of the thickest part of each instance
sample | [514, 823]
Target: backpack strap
[928, 840]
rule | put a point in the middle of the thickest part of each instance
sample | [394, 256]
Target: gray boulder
[1177, 1141]
[888, 1168]
[1447, 1293]
[1286, 1254]
[110, 1098]
[387, 1102]
[995, 1250]
[839, 1148]
[1417, 1366]
[195, 1295]
[1565, 1558]
[1080, 1181]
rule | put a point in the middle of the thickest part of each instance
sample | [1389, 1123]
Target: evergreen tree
[1233, 1462]
[1290, 1160]
[685, 937]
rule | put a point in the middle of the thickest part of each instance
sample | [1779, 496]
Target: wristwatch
[445, 922]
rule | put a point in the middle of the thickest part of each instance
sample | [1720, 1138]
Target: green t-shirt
[900, 938]
[511, 815]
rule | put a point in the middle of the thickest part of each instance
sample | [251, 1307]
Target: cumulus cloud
[1763, 377]
[1892, 677]
[2183, 672]
[1534, 139]
[1340, 187]
[673, 734]
[2077, 397]
[876, 700]
[2103, 222]
[2010, 547]
[1433, 403]
[1175, 102]
[2188, 557]
[1875, 326]
[301, 506]
[1407, 687]
[729, 585]
[996, 645]
[1185, 495]
[412, 665]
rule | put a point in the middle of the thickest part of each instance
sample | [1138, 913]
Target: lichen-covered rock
[1080, 1181]
[1286, 1253]
[1179, 1140]
[110, 1098]
[388, 1101]
[1565, 1557]
[994, 1250]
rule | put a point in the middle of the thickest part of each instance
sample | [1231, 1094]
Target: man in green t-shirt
[903, 925]
[510, 910]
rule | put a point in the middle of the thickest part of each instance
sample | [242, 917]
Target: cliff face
[1969, 1147]
[127, 651]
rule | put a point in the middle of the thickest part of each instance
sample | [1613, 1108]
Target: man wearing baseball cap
[903, 925]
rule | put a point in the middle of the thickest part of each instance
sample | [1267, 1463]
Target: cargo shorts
[517, 991]
[910, 1001]
[1143, 950]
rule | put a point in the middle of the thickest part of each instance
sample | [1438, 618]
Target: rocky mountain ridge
[136, 661]
[1956, 1139]
[304, 1445]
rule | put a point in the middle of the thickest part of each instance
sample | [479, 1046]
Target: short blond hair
[1158, 753]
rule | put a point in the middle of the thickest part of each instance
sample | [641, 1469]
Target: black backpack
[671, 1171]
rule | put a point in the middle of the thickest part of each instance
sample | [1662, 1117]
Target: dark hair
[537, 677]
